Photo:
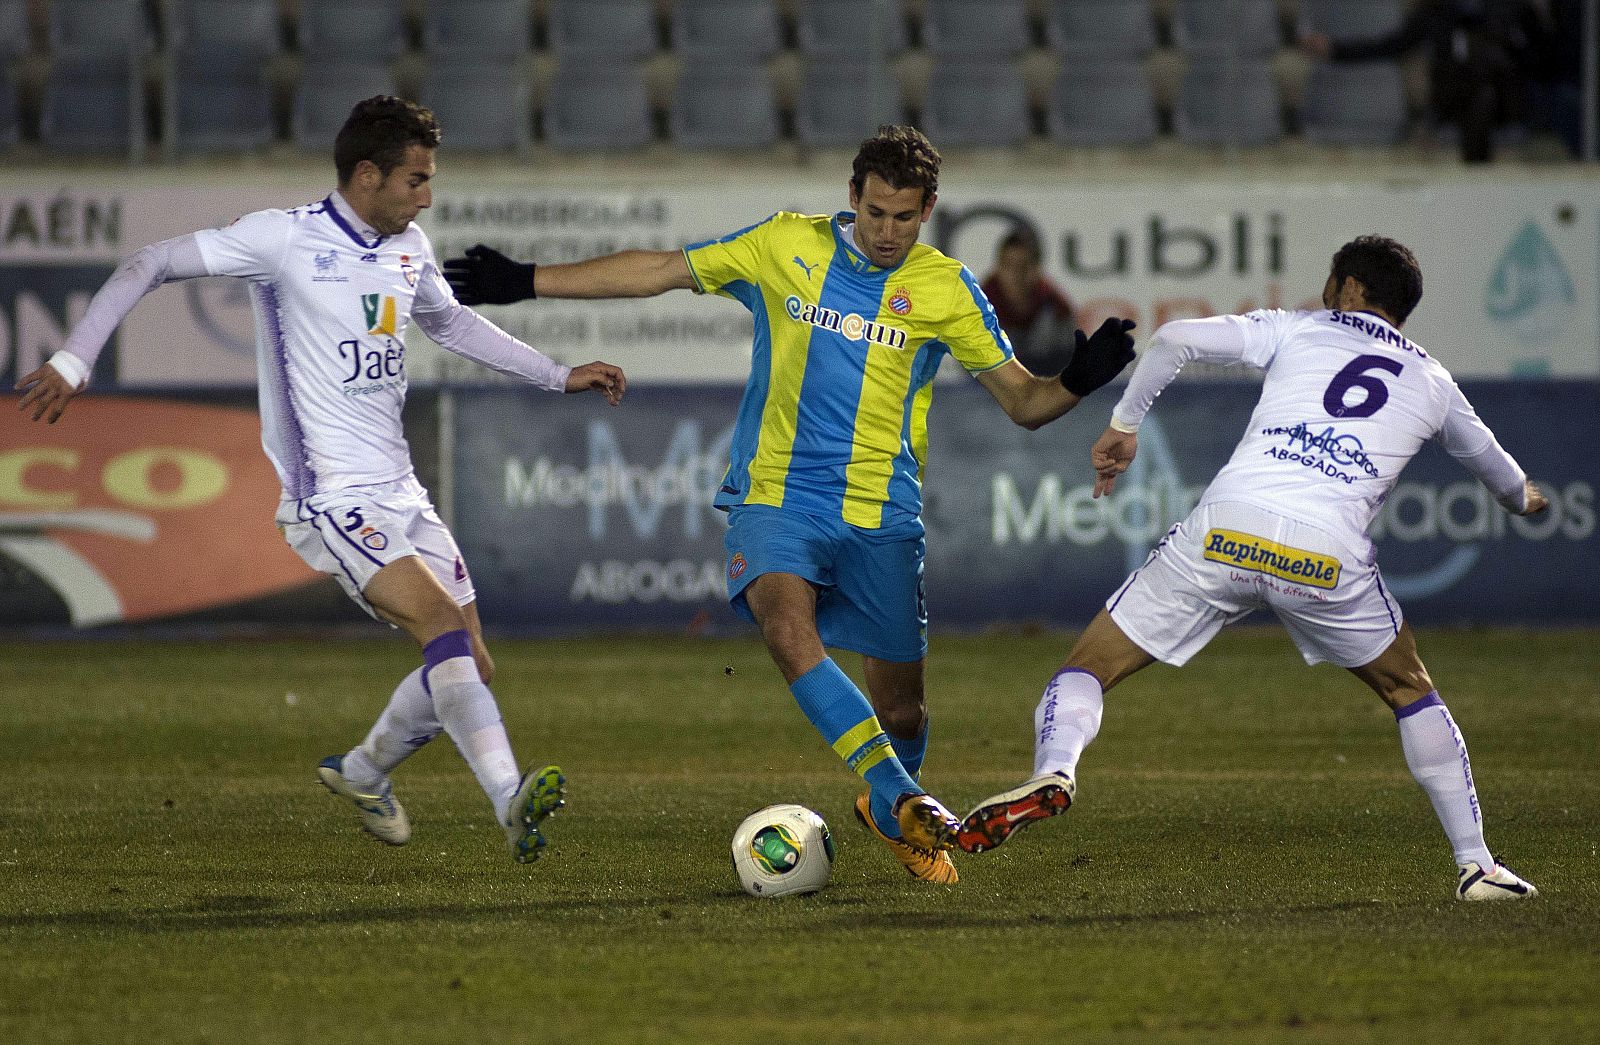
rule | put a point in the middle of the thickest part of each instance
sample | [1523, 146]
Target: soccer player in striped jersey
[334, 285]
[824, 490]
[1348, 400]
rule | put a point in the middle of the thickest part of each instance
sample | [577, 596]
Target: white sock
[472, 718]
[1068, 717]
[1437, 757]
[405, 725]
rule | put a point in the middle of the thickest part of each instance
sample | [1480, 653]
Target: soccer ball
[783, 850]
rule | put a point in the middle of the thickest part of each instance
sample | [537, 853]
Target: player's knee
[902, 720]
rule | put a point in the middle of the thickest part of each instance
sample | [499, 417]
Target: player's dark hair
[381, 129]
[1386, 270]
[902, 156]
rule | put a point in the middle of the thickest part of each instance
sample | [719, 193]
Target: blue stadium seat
[476, 30]
[1230, 102]
[237, 25]
[1361, 104]
[1247, 27]
[726, 30]
[597, 106]
[218, 100]
[1102, 103]
[325, 95]
[975, 28]
[481, 108]
[841, 27]
[617, 29]
[835, 105]
[10, 114]
[14, 32]
[99, 26]
[1104, 28]
[1350, 19]
[90, 103]
[724, 106]
[982, 103]
[352, 30]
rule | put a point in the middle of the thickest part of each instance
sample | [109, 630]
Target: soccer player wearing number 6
[1346, 402]
[824, 491]
[334, 285]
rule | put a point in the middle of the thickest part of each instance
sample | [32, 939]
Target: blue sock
[843, 715]
[913, 751]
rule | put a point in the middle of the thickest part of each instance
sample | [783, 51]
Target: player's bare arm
[1534, 500]
[484, 276]
[46, 392]
[600, 377]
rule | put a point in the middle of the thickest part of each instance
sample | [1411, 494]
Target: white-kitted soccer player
[1346, 402]
[334, 285]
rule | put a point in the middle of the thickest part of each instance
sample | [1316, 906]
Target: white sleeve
[1250, 339]
[143, 271]
[467, 334]
[253, 246]
[1466, 438]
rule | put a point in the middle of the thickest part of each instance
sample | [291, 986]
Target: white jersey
[1347, 402]
[332, 301]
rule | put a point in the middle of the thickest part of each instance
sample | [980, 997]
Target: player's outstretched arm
[484, 276]
[1110, 456]
[1035, 401]
[600, 377]
[46, 392]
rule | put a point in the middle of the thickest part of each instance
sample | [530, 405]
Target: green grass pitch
[1248, 861]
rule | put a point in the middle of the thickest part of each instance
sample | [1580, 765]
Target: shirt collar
[338, 208]
[843, 221]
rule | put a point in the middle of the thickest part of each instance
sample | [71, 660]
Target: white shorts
[1227, 559]
[355, 532]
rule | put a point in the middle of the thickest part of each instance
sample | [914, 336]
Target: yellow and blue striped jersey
[834, 419]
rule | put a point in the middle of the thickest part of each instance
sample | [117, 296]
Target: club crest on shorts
[374, 540]
[736, 566]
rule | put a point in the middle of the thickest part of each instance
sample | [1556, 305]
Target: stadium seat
[99, 27]
[1247, 27]
[238, 25]
[840, 27]
[218, 100]
[10, 114]
[476, 30]
[480, 108]
[1100, 103]
[1355, 104]
[724, 106]
[352, 30]
[14, 34]
[619, 29]
[1105, 28]
[1233, 102]
[1350, 19]
[597, 106]
[975, 28]
[325, 95]
[982, 103]
[726, 30]
[835, 105]
[89, 105]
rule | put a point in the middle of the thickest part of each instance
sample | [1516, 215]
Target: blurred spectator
[1555, 69]
[1035, 313]
[1477, 50]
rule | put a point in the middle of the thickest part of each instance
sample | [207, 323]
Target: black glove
[1099, 358]
[487, 277]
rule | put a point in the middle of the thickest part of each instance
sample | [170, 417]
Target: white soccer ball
[783, 850]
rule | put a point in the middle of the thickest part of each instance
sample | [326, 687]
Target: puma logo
[803, 265]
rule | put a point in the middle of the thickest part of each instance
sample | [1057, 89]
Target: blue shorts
[870, 596]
